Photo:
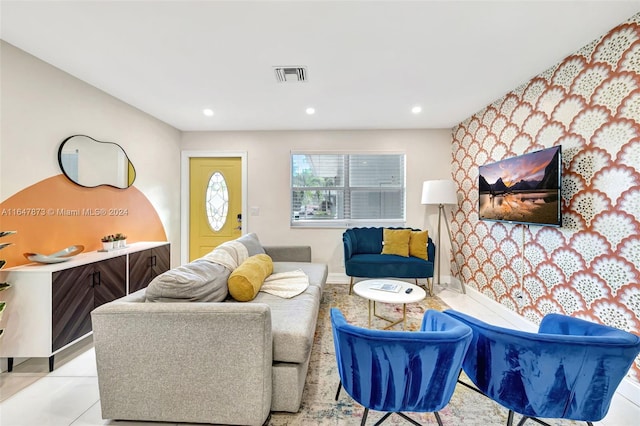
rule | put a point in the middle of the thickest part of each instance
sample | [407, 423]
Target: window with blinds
[347, 189]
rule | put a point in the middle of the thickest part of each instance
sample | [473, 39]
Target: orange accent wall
[55, 213]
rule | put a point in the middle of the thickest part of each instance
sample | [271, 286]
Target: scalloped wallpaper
[590, 104]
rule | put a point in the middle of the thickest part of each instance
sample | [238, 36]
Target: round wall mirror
[90, 163]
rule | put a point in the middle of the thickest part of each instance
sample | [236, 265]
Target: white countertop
[85, 258]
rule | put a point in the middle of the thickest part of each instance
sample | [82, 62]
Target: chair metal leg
[407, 418]
[524, 419]
[540, 422]
[510, 418]
[435, 413]
[469, 386]
[379, 422]
[351, 286]
[339, 389]
[364, 417]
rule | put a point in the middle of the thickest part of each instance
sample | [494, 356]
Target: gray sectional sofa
[202, 362]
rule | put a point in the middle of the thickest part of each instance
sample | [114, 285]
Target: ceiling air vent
[291, 74]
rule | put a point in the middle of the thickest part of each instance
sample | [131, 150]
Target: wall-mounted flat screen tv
[523, 189]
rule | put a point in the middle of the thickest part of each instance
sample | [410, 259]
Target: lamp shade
[439, 192]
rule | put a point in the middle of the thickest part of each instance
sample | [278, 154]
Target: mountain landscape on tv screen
[523, 189]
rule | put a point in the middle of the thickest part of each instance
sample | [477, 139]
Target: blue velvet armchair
[363, 258]
[395, 371]
[570, 369]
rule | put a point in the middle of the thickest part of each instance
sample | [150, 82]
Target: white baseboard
[338, 278]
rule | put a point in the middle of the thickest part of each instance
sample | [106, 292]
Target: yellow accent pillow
[396, 241]
[418, 244]
[245, 281]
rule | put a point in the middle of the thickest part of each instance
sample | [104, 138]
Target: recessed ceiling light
[416, 109]
[208, 112]
[311, 111]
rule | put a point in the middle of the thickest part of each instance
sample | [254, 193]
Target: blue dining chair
[396, 371]
[569, 369]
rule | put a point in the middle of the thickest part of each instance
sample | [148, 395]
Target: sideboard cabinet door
[77, 291]
[112, 279]
[71, 304]
[162, 261]
[145, 265]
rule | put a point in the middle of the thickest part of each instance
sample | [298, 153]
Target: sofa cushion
[293, 321]
[396, 241]
[418, 244]
[245, 281]
[384, 266]
[198, 281]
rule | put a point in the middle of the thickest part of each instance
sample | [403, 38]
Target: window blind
[335, 189]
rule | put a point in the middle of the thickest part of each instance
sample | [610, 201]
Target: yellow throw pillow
[396, 241]
[245, 281]
[418, 244]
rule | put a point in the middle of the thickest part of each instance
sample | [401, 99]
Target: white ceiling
[368, 62]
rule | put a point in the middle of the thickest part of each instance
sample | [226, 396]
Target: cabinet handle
[96, 278]
[153, 260]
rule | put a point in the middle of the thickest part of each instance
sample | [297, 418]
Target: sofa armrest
[289, 253]
[184, 362]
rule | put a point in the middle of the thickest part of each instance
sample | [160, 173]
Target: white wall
[41, 105]
[428, 157]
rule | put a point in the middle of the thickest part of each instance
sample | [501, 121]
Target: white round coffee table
[369, 289]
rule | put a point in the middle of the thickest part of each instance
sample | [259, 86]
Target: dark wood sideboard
[49, 307]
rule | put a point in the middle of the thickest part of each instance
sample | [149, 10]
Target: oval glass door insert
[217, 201]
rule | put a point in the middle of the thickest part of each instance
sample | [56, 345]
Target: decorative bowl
[57, 257]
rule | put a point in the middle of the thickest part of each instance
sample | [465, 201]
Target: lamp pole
[440, 210]
[443, 212]
[441, 192]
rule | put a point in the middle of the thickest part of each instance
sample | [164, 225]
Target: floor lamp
[441, 192]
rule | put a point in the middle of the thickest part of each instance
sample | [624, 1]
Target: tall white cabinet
[49, 306]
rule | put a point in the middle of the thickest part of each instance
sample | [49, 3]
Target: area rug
[318, 401]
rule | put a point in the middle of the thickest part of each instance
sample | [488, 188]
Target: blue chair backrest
[364, 240]
[401, 370]
[570, 369]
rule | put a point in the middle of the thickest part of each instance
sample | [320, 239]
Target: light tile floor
[31, 396]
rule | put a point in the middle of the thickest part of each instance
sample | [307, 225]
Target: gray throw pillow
[251, 242]
[198, 281]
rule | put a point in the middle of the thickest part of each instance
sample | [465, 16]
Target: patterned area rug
[318, 404]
